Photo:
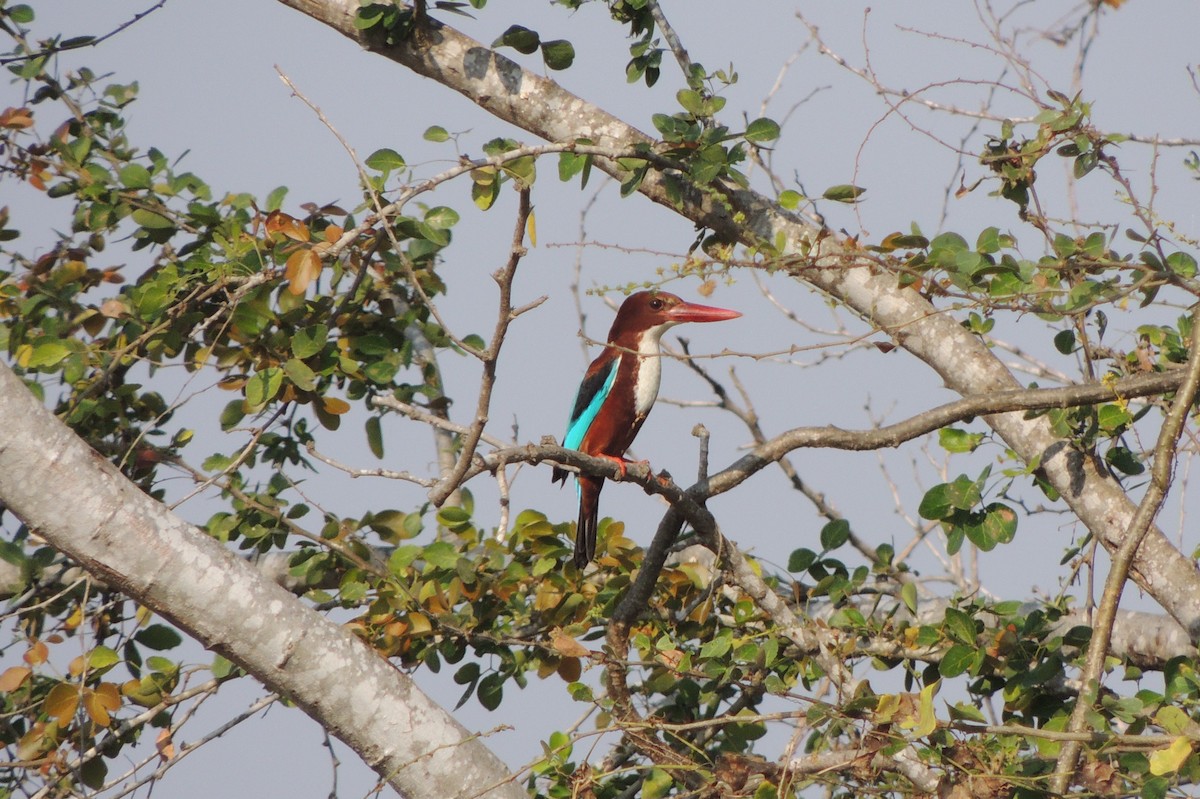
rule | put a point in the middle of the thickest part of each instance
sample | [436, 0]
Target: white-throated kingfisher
[617, 393]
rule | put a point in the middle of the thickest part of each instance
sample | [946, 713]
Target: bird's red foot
[623, 464]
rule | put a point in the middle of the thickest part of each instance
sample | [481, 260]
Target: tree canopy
[190, 374]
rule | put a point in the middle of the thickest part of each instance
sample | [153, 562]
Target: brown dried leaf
[164, 745]
[567, 646]
[570, 669]
[303, 267]
[16, 118]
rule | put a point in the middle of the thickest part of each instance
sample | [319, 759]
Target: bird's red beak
[690, 312]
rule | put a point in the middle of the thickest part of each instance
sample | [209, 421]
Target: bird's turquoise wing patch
[588, 402]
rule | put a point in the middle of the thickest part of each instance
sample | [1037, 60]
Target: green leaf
[999, 523]
[150, 220]
[718, 647]
[221, 667]
[441, 555]
[761, 130]
[134, 176]
[21, 14]
[441, 217]
[375, 436]
[158, 636]
[692, 101]
[843, 193]
[956, 660]
[300, 374]
[908, 595]
[436, 133]
[519, 38]
[657, 784]
[558, 54]
[800, 560]
[102, 658]
[264, 386]
[952, 439]
[1112, 418]
[309, 341]
[959, 626]
[936, 503]
[989, 240]
[369, 16]
[835, 534]
[961, 711]
[276, 197]
[491, 691]
[1182, 264]
[1064, 341]
[402, 557]
[93, 773]
[48, 352]
[385, 160]
[454, 519]
[232, 414]
[1123, 459]
[790, 199]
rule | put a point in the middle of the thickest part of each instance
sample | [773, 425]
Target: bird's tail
[589, 511]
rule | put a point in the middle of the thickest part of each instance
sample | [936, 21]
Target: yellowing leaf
[14, 678]
[38, 652]
[419, 623]
[62, 702]
[1168, 761]
[334, 405]
[531, 229]
[886, 708]
[927, 719]
[100, 702]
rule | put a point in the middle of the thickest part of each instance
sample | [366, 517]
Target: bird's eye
[656, 304]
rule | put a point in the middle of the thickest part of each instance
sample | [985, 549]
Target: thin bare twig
[1122, 559]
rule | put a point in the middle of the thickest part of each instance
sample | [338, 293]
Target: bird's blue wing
[591, 395]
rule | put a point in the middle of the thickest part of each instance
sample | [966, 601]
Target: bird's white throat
[649, 368]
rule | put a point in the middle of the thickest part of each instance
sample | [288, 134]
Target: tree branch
[1139, 526]
[542, 107]
[137, 547]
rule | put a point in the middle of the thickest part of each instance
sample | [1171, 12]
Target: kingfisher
[617, 393]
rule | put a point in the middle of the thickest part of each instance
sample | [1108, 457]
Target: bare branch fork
[504, 278]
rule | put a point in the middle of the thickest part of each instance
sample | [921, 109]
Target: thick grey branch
[135, 545]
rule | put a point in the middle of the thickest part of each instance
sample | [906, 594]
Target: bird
[617, 392]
